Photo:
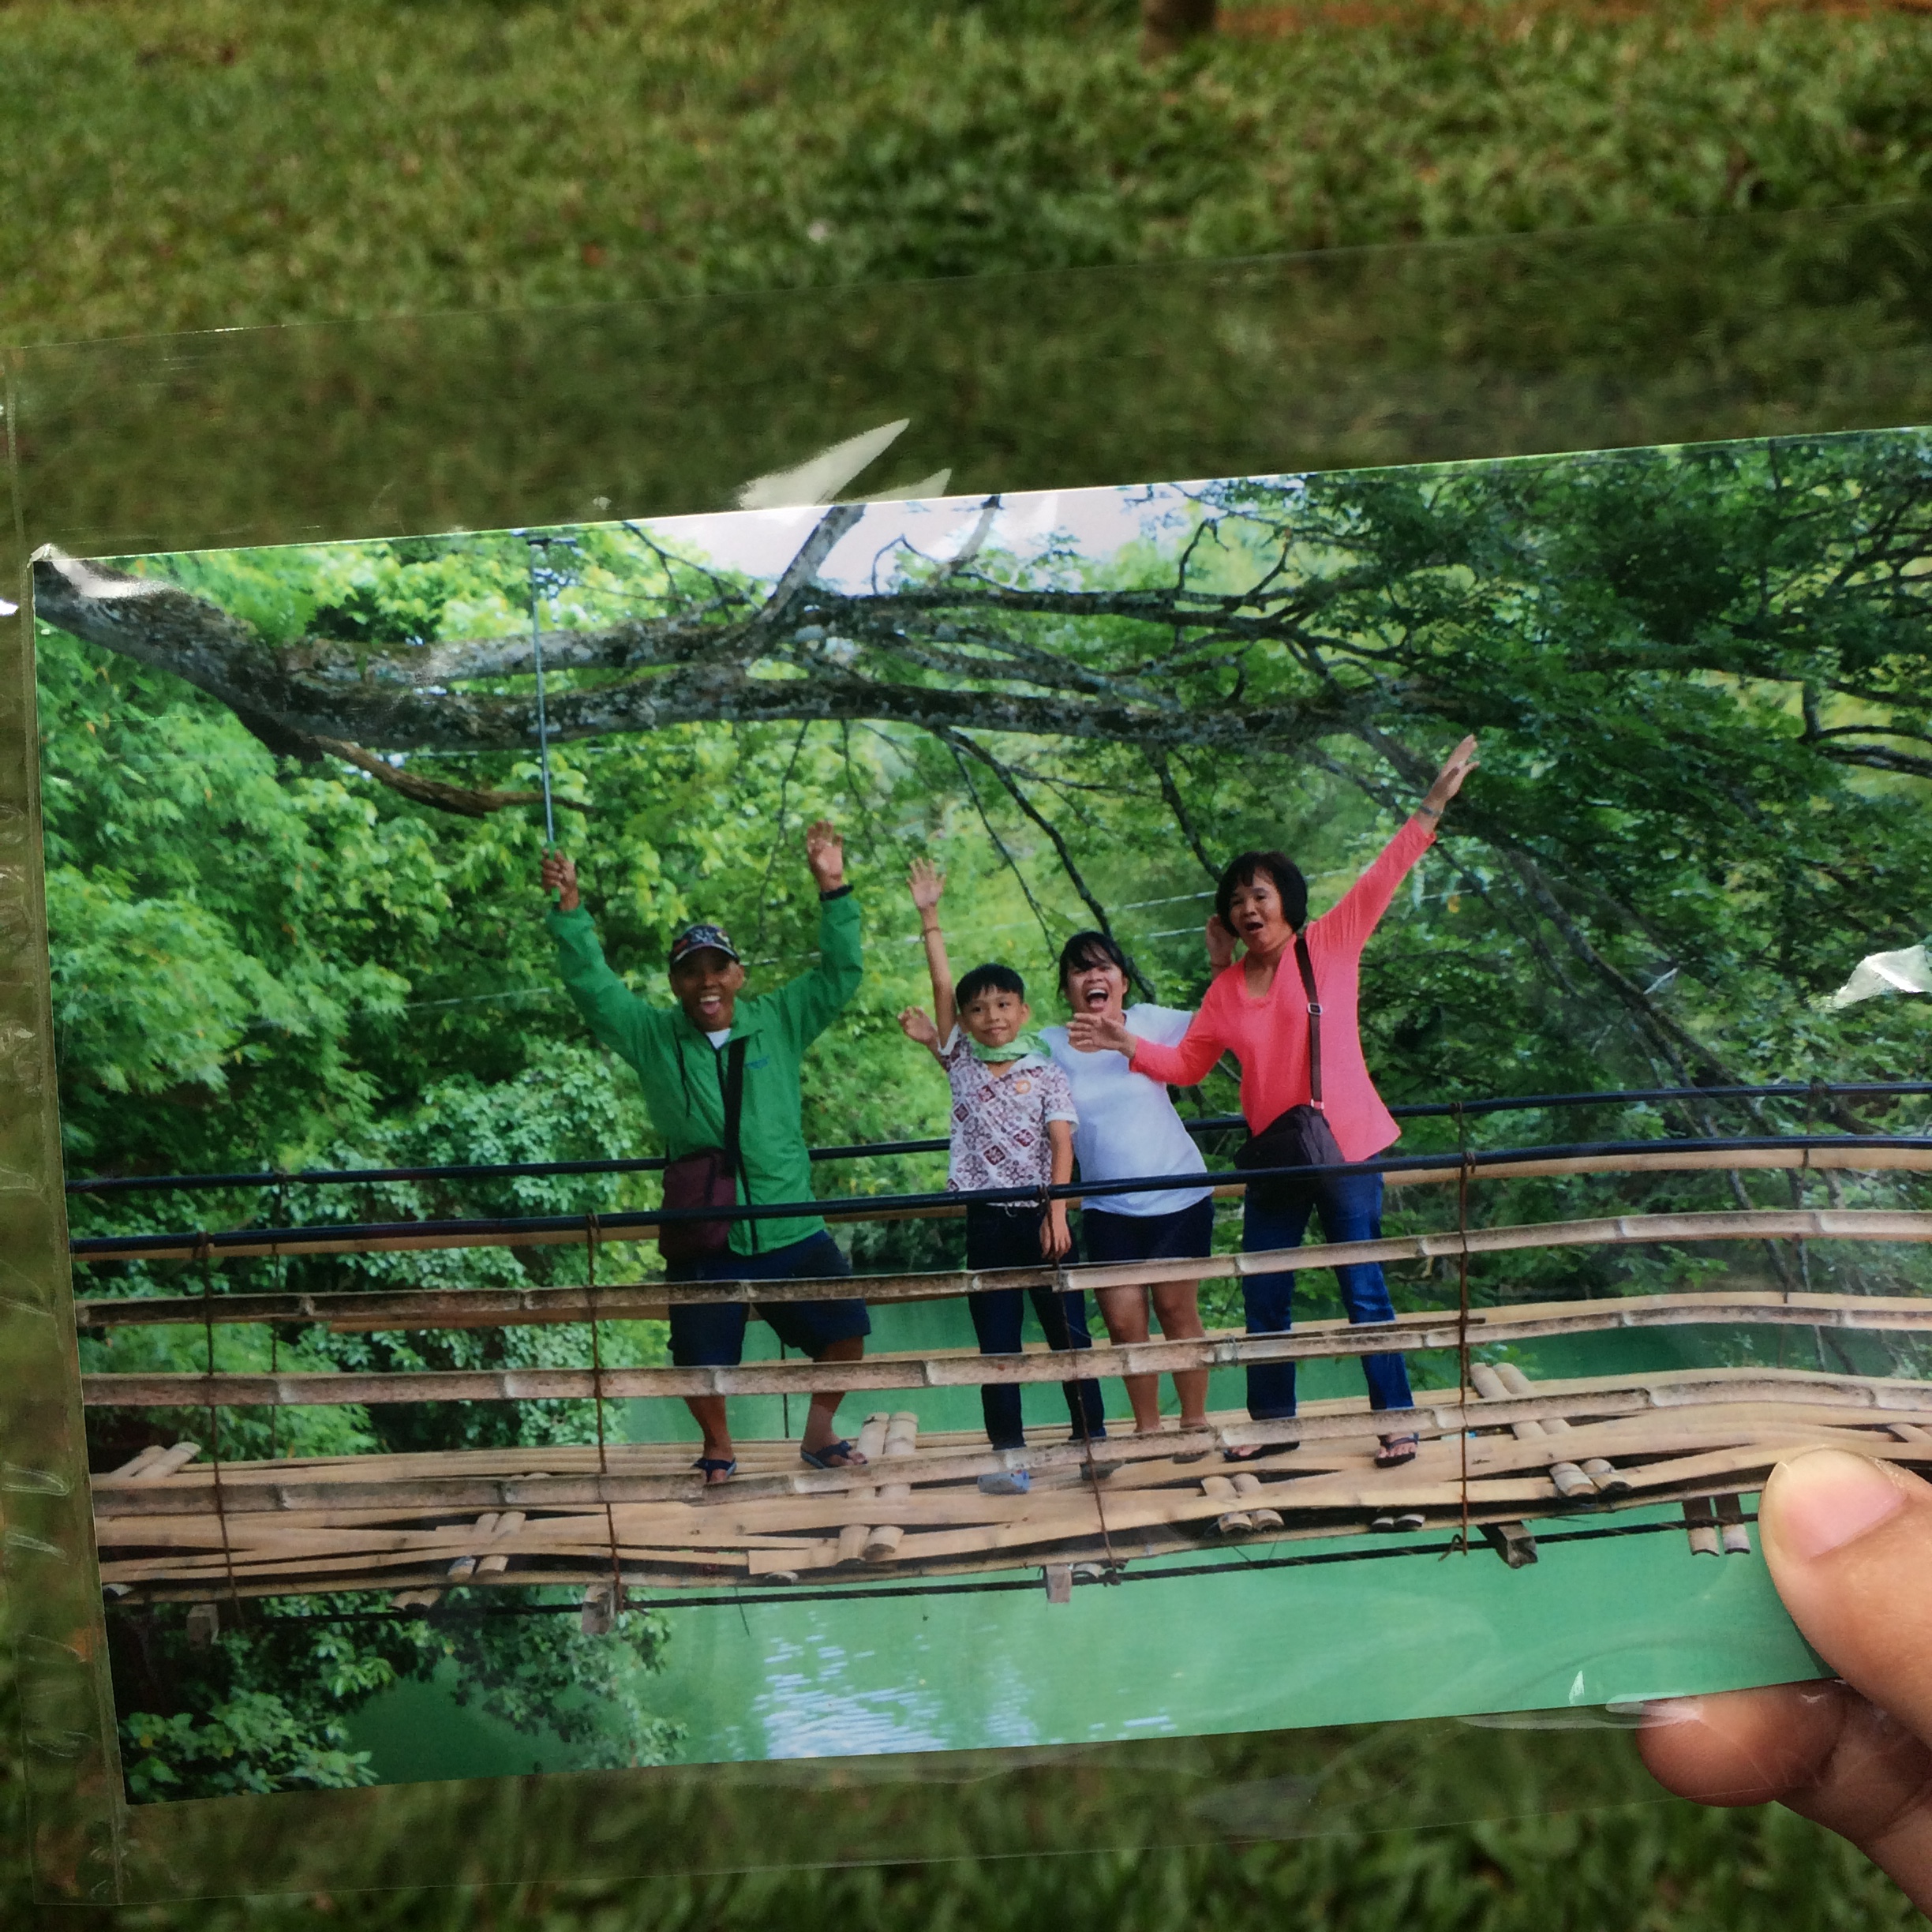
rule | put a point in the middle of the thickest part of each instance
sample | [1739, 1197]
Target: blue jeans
[1350, 1208]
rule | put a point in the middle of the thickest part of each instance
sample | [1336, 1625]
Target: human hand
[917, 1025]
[1849, 1542]
[926, 883]
[559, 876]
[1056, 1237]
[1220, 942]
[1099, 1033]
[1459, 764]
[825, 852]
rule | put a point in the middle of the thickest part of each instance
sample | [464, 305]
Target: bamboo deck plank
[1642, 1421]
[1751, 1436]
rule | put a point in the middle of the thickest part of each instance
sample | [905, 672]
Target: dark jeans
[1350, 1208]
[1003, 1237]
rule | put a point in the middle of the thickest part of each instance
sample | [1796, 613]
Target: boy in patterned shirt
[1012, 1127]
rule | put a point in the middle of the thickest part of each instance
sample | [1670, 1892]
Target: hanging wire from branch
[771, 861]
[545, 578]
[1009, 779]
[999, 845]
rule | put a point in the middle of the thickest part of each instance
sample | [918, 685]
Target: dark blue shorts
[711, 1335]
[1148, 1238]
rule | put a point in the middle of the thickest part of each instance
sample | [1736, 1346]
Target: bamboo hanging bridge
[1497, 1449]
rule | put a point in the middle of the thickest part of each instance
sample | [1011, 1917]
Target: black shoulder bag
[1300, 1137]
[707, 1177]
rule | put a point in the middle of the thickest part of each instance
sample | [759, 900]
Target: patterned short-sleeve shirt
[999, 1120]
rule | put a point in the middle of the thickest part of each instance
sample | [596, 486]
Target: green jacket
[681, 1072]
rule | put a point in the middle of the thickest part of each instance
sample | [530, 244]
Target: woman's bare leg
[1125, 1311]
[1177, 1305]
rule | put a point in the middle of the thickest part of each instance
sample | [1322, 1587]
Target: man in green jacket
[679, 1055]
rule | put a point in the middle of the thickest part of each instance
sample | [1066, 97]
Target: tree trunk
[1166, 26]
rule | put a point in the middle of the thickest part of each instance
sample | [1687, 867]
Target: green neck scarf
[1017, 1048]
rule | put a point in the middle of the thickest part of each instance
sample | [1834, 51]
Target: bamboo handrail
[431, 1307]
[1836, 1153]
[963, 1369]
[1809, 1091]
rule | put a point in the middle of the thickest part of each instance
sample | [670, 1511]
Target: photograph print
[992, 1121]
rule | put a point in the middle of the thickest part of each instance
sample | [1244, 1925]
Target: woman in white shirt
[1127, 1127]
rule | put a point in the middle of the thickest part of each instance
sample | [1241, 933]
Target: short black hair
[990, 979]
[1285, 875]
[1091, 949]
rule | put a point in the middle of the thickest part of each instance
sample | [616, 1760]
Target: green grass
[191, 163]
[1638, 1867]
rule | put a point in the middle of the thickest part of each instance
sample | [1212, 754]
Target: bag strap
[1314, 1018]
[731, 1077]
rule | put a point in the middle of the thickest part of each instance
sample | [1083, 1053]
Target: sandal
[834, 1455]
[715, 1469]
[1253, 1452]
[1395, 1451]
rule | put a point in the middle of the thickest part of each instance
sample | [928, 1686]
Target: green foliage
[234, 164]
[261, 1708]
[252, 1743]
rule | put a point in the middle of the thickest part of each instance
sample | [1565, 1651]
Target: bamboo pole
[1219, 1491]
[1261, 1519]
[1018, 1524]
[1860, 1157]
[1595, 1473]
[872, 1443]
[1644, 1434]
[1645, 1419]
[882, 1541]
[945, 1368]
[357, 1310]
[670, 1573]
[1570, 1481]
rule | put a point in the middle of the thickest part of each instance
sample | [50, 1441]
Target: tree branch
[959, 740]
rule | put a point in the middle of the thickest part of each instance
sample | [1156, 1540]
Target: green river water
[1393, 1631]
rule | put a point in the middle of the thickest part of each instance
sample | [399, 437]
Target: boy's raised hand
[927, 882]
[916, 1023]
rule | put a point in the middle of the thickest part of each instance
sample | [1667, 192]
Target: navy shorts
[1148, 1238]
[711, 1334]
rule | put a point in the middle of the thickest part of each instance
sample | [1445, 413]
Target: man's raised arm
[615, 1014]
[810, 1002]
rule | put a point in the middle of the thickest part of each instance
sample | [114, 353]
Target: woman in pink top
[1257, 1009]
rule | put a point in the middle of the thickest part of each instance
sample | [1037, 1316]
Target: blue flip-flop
[706, 1464]
[820, 1458]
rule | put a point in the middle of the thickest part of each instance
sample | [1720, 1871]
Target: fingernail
[1824, 1498]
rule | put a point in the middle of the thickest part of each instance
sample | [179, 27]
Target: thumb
[1849, 1544]
[1848, 1541]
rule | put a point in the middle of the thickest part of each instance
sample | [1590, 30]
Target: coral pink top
[1270, 1035]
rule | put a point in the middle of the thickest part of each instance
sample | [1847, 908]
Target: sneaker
[1005, 1482]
